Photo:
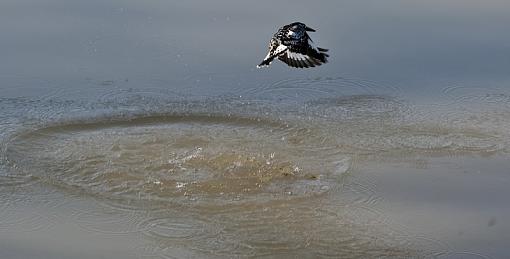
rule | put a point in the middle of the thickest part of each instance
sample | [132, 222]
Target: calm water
[134, 129]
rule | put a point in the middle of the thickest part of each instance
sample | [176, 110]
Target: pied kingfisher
[291, 44]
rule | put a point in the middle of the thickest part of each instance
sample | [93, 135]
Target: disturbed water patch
[197, 159]
[249, 185]
[182, 159]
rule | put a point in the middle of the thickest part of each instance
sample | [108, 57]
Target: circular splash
[198, 160]
[272, 172]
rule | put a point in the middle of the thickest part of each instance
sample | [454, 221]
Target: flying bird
[292, 45]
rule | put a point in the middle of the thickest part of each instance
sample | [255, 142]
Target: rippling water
[133, 130]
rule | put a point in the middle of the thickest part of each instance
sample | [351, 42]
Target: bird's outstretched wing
[304, 57]
[275, 50]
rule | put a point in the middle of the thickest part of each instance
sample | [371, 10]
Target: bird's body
[292, 45]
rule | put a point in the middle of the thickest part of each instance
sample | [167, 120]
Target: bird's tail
[319, 54]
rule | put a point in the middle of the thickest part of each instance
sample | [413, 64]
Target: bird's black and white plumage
[292, 45]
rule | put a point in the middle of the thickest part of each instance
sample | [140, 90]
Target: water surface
[144, 130]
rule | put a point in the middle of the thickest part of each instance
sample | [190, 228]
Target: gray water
[134, 129]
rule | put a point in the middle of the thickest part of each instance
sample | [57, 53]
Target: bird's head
[299, 26]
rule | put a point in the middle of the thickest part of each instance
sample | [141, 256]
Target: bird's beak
[309, 29]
